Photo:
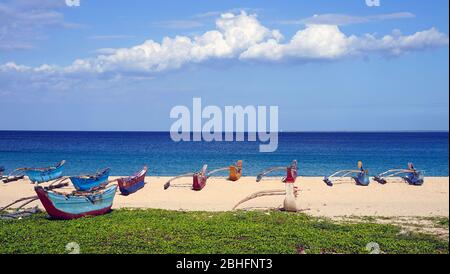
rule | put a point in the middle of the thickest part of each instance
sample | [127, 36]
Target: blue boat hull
[38, 176]
[86, 184]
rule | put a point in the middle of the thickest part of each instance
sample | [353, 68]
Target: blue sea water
[318, 154]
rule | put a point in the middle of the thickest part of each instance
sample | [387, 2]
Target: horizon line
[287, 131]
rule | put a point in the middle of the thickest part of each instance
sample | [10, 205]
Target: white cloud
[238, 37]
[328, 42]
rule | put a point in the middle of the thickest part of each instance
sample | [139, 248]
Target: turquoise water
[318, 154]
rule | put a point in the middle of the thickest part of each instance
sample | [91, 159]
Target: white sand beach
[396, 199]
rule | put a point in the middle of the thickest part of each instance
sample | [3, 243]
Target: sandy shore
[397, 199]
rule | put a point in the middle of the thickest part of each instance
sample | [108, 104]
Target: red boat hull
[291, 175]
[199, 182]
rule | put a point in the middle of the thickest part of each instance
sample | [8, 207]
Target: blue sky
[328, 65]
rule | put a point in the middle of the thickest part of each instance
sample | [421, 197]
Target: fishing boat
[234, 171]
[37, 175]
[89, 182]
[129, 185]
[198, 179]
[410, 175]
[291, 172]
[76, 205]
[360, 176]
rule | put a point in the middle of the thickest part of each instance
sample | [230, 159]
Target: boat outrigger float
[360, 176]
[410, 175]
[36, 175]
[291, 172]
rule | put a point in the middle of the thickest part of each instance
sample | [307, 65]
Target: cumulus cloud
[328, 42]
[239, 37]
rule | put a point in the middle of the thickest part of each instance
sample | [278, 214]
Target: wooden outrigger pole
[25, 201]
[290, 200]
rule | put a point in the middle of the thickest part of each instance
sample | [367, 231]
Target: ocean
[318, 154]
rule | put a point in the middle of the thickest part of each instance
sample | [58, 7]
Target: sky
[123, 65]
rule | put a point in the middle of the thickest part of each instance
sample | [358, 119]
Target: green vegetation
[441, 222]
[160, 231]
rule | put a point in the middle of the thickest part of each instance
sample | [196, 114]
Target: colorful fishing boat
[76, 205]
[129, 185]
[410, 175]
[360, 176]
[89, 182]
[198, 179]
[37, 175]
[291, 172]
[234, 171]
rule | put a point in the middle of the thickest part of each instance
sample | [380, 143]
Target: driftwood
[32, 198]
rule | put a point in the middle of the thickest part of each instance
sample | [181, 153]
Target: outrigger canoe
[129, 185]
[410, 175]
[76, 205]
[89, 182]
[37, 175]
[360, 176]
